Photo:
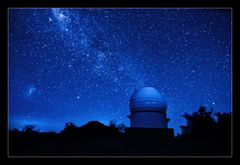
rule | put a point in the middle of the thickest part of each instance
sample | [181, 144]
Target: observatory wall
[151, 119]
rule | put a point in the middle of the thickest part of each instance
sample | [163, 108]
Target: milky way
[78, 65]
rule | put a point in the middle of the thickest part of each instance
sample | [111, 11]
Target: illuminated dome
[147, 98]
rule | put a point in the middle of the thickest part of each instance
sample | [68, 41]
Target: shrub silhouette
[69, 128]
[223, 119]
[29, 129]
[117, 127]
[112, 124]
[201, 125]
[121, 127]
[224, 123]
[206, 133]
[200, 121]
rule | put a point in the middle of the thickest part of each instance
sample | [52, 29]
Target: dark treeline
[206, 134]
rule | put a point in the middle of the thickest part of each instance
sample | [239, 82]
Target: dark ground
[106, 141]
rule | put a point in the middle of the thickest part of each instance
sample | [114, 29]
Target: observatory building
[148, 109]
[148, 118]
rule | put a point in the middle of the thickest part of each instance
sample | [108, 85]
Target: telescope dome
[147, 98]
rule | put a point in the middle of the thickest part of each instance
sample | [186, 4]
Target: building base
[150, 135]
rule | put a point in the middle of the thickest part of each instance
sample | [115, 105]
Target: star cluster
[81, 64]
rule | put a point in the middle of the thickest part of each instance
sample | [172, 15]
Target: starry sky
[82, 64]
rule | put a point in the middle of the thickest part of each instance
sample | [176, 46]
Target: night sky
[79, 65]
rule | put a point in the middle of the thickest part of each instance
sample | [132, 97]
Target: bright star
[61, 15]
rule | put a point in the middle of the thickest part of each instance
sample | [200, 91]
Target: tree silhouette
[208, 132]
[223, 118]
[29, 129]
[203, 122]
[199, 121]
[69, 128]
[119, 127]
[224, 123]
[112, 124]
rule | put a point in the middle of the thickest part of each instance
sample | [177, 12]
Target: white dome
[147, 98]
